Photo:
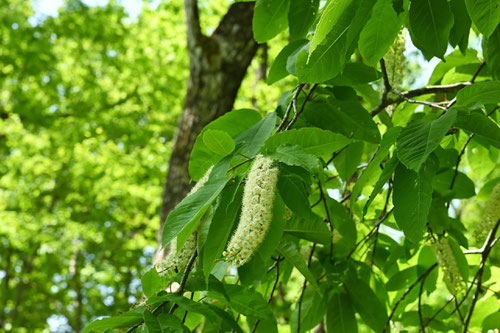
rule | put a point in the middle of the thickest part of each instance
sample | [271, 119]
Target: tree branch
[407, 291]
[304, 286]
[179, 291]
[490, 242]
[276, 280]
[297, 114]
[193, 29]
[293, 104]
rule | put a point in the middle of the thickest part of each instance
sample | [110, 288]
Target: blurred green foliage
[89, 101]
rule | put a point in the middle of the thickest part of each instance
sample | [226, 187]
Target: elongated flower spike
[256, 211]
[491, 215]
[177, 260]
[446, 260]
[394, 60]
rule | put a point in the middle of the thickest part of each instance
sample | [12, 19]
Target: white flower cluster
[491, 215]
[446, 260]
[177, 260]
[202, 181]
[256, 211]
[394, 60]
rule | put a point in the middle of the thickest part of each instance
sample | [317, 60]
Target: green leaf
[233, 123]
[344, 227]
[491, 51]
[269, 19]
[372, 171]
[412, 198]
[487, 92]
[152, 283]
[379, 32]
[340, 316]
[463, 187]
[419, 139]
[249, 302]
[251, 140]
[278, 69]
[430, 25]
[345, 117]
[484, 14]
[454, 59]
[366, 303]
[400, 280]
[296, 155]
[127, 319]
[289, 250]
[459, 34]
[294, 193]
[354, 74]
[312, 311]
[170, 323]
[348, 160]
[218, 141]
[327, 59]
[152, 322]
[314, 230]
[192, 306]
[314, 141]
[334, 18]
[477, 122]
[226, 318]
[491, 322]
[389, 168]
[301, 15]
[224, 218]
[188, 212]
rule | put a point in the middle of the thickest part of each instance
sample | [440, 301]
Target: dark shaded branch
[179, 291]
[370, 233]
[297, 114]
[490, 242]
[193, 29]
[407, 291]
[304, 286]
[293, 104]
[404, 96]
[276, 280]
[420, 316]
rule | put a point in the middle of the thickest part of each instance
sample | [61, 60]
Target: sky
[49, 7]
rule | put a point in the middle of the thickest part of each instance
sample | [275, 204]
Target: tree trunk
[217, 66]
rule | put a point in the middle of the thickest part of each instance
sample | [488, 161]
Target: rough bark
[218, 64]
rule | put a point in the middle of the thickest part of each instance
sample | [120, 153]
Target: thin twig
[413, 101]
[370, 233]
[401, 96]
[180, 291]
[489, 245]
[276, 280]
[297, 114]
[304, 286]
[182, 285]
[293, 104]
[459, 159]
[407, 291]
[420, 316]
